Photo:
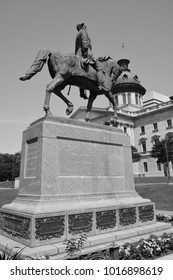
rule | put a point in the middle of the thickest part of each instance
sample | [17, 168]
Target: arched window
[125, 76]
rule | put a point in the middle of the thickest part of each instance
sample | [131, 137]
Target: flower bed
[145, 249]
[164, 218]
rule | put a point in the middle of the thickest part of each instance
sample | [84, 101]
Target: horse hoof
[114, 122]
[69, 110]
[47, 111]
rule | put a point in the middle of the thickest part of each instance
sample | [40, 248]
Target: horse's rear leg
[49, 89]
[111, 98]
[91, 99]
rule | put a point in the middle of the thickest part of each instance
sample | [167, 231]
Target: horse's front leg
[91, 99]
[69, 109]
[49, 89]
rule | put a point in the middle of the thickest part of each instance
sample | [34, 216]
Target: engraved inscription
[31, 158]
[146, 213]
[79, 223]
[49, 227]
[106, 219]
[11, 224]
[16, 225]
[127, 216]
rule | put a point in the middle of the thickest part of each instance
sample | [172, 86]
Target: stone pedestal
[75, 177]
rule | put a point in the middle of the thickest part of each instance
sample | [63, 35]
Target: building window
[116, 99]
[129, 98]
[156, 141]
[125, 129]
[159, 168]
[125, 76]
[136, 98]
[144, 146]
[124, 98]
[145, 166]
[169, 123]
[155, 127]
[142, 130]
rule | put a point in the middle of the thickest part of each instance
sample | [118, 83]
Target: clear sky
[29, 25]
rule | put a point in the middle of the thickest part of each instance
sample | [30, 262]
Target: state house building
[145, 117]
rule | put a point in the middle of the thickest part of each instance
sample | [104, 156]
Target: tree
[163, 152]
[9, 166]
[135, 155]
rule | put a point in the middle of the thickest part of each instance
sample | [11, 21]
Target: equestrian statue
[80, 69]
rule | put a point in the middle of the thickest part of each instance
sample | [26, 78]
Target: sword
[69, 90]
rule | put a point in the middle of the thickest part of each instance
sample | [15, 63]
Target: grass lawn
[7, 195]
[161, 194]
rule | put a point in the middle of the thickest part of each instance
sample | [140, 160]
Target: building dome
[127, 82]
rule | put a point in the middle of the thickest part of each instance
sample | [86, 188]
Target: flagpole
[122, 49]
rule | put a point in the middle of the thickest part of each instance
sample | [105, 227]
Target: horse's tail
[37, 65]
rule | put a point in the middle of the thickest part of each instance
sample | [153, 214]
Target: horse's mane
[103, 58]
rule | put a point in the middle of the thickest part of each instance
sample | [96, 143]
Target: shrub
[74, 245]
[7, 254]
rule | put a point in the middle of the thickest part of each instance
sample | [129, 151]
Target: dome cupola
[127, 88]
[127, 82]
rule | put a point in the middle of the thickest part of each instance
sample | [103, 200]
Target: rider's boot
[83, 93]
[101, 81]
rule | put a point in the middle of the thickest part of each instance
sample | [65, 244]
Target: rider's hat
[80, 25]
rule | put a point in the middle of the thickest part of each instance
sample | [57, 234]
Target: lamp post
[167, 158]
[13, 171]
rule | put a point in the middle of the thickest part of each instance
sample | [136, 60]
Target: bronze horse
[68, 70]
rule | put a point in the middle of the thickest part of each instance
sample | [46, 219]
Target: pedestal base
[75, 178]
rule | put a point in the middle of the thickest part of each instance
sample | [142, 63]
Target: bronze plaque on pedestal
[49, 227]
[13, 224]
[146, 213]
[79, 223]
[16, 225]
[127, 216]
[106, 219]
